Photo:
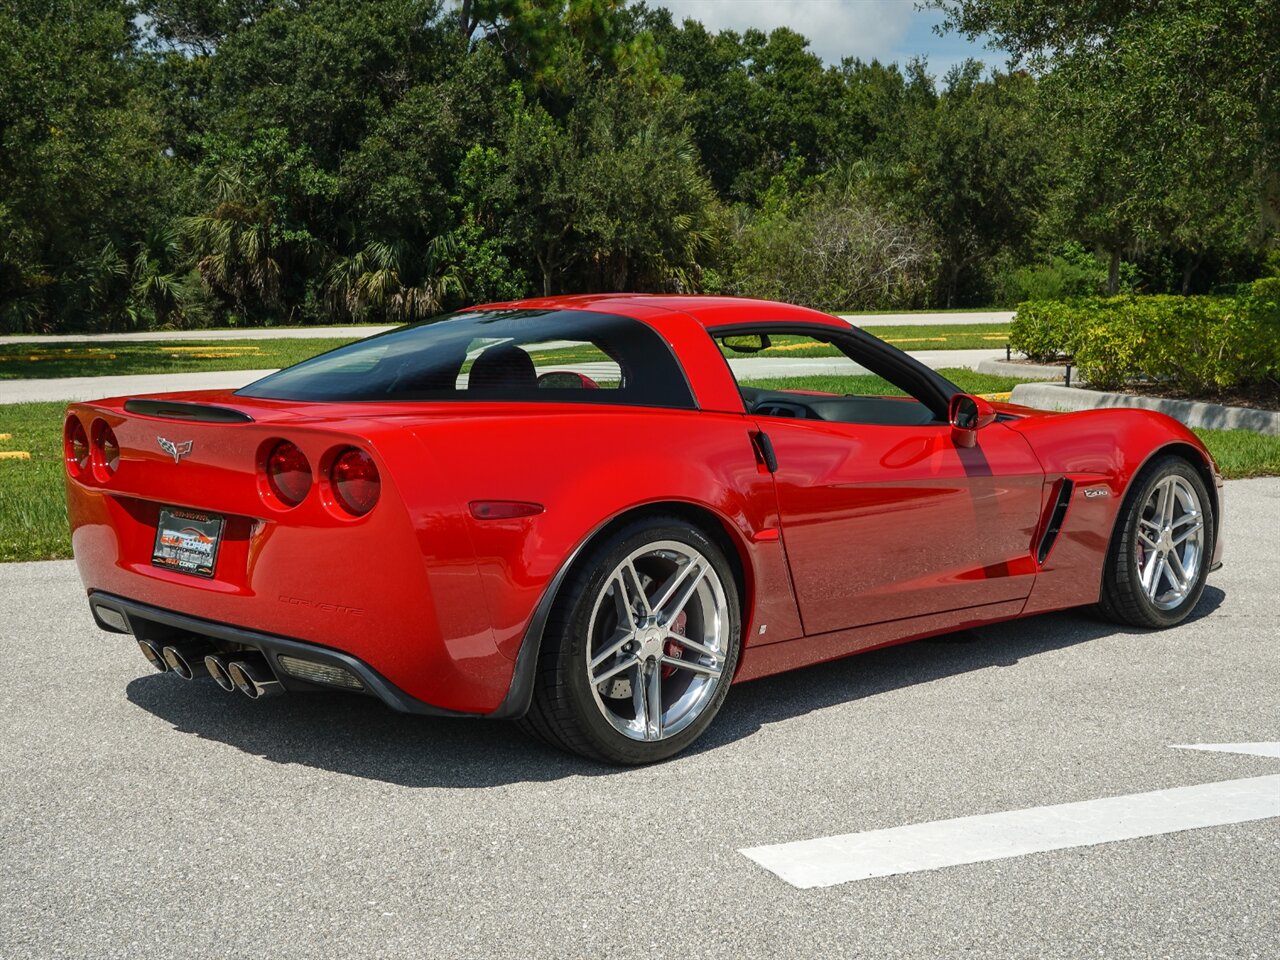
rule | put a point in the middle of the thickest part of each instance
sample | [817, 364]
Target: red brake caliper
[673, 649]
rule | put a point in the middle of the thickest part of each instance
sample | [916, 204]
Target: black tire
[565, 712]
[1123, 598]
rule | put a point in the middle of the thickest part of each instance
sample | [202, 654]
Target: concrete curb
[1028, 371]
[1213, 416]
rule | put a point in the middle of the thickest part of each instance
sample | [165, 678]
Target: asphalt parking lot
[141, 816]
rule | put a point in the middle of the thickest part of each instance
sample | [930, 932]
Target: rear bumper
[145, 622]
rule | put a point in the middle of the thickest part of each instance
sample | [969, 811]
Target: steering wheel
[773, 407]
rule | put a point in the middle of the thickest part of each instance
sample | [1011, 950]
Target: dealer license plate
[187, 541]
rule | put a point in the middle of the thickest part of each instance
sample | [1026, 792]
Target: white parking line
[1252, 749]
[828, 861]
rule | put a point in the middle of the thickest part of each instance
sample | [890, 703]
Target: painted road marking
[828, 861]
[1252, 749]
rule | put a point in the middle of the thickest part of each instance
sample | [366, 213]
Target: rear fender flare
[520, 695]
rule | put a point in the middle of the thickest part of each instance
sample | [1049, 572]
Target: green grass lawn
[33, 522]
[925, 310]
[871, 385]
[1243, 453]
[33, 516]
[20, 361]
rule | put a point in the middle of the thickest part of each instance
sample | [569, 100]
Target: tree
[607, 196]
[81, 166]
[834, 248]
[545, 42]
[325, 71]
[964, 162]
[256, 239]
[1194, 85]
[758, 100]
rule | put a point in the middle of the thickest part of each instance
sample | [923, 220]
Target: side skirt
[766, 660]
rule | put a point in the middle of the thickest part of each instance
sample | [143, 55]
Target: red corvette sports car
[595, 513]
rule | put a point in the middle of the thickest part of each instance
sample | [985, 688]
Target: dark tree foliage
[197, 162]
[963, 162]
[1168, 112]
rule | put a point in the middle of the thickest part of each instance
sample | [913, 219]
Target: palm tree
[157, 288]
[232, 244]
[395, 278]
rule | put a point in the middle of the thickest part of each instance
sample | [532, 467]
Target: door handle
[764, 446]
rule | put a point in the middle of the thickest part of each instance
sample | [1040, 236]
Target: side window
[801, 377]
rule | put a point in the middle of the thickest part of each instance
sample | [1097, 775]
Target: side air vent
[1054, 527]
[176, 410]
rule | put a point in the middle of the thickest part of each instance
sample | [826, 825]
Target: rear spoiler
[177, 410]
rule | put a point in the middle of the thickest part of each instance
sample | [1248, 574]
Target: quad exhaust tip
[217, 667]
[154, 656]
[252, 676]
[184, 658]
[249, 672]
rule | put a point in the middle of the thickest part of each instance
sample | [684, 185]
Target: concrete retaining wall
[1028, 371]
[1215, 416]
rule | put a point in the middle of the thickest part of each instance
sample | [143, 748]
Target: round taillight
[75, 446]
[355, 481]
[106, 450]
[288, 473]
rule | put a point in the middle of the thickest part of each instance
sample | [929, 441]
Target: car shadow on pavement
[1004, 644]
[359, 737]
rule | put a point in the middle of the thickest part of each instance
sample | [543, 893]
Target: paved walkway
[92, 388]
[926, 319]
[367, 330]
[247, 333]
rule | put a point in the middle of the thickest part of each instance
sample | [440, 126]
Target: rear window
[519, 355]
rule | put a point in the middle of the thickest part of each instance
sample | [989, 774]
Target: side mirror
[751, 343]
[968, 415]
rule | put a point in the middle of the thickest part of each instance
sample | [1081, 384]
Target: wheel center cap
[650, 639]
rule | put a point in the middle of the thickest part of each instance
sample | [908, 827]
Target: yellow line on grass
[228, 348]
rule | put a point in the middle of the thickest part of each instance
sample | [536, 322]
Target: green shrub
[1044, 330]
[1070, 273]
[1268, 288]
[1122, 338]
[1196, 345]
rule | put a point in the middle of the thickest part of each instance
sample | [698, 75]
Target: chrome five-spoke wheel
[1170, 542]
[657, 646]
[641, 644]
[1163, 545]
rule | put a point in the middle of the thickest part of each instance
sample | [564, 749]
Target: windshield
[516, 355]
